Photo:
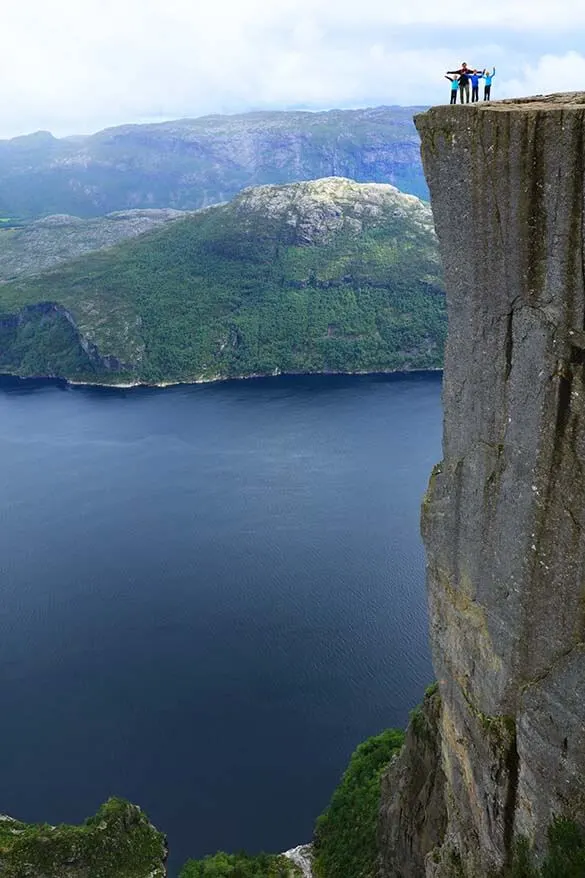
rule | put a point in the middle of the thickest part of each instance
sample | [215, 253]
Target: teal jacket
[489, 76]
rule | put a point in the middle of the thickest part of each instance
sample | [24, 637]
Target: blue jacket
[489, 76]
[475, 77]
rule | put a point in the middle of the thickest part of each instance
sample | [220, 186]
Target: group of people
[464, 77]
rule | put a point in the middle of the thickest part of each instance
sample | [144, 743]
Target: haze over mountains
[192, 163]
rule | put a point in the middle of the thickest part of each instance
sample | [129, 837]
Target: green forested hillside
[242, 865]
[345, 842]
[329, 275]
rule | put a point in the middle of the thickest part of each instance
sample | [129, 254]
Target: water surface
[209, 596]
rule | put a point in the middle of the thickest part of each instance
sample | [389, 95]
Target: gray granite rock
[412, 813]
[504, 517]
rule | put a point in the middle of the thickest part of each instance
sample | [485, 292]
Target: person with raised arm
[463, 73]
[454, 80]
[475, 77]
[488, 84]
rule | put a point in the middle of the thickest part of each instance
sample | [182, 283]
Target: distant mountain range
[322, 276]
[192, 163]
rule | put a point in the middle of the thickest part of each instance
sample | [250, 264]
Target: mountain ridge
[191, 163]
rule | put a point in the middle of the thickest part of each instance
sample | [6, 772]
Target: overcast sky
[75, 66]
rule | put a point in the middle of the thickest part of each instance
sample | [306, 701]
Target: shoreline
[163, 385]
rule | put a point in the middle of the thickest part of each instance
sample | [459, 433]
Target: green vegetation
[345, 835]
[10, 222]
[42, 342]
[235, 291]
[565, 857]
[241, 865]
[118, 842]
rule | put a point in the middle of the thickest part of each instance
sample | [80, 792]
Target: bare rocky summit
[316, 210]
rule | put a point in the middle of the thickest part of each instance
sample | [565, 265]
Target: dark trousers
[464, 87]
[453, 95]
[475, 94]
[487, 92]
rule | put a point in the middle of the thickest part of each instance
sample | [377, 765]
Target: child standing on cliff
[488, 83]
[464, 74]
[475, 77]
[454, 80]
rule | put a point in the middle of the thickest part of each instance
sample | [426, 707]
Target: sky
[77, 66]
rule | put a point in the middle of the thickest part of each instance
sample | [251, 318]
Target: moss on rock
[118, 842]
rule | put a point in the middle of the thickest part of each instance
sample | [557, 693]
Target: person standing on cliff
[488, 83]
[454, 80]
[463, 73]
[475, 77]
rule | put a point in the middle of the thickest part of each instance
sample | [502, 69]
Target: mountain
[191, 163]
[328, 275]
[47, 242]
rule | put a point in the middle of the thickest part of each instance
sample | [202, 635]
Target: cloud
[73, 66]
[550, 73]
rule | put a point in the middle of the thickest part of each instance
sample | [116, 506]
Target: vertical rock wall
[503, 521]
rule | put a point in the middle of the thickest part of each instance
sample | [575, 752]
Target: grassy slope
[221, 294]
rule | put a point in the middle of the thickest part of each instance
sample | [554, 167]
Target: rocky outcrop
[302, 857]
[313, 212]
[412, 810]
[504, 517]
[118, 842]
[192, 163]
[56, 239]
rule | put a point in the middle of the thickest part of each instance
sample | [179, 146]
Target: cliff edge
[503, 520]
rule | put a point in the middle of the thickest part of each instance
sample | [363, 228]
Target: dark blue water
[209, 596]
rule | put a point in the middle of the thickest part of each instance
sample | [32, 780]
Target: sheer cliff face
[504, 515]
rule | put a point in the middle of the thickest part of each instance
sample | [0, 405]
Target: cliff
[321, 276]
[503, 521]
[192, 163]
